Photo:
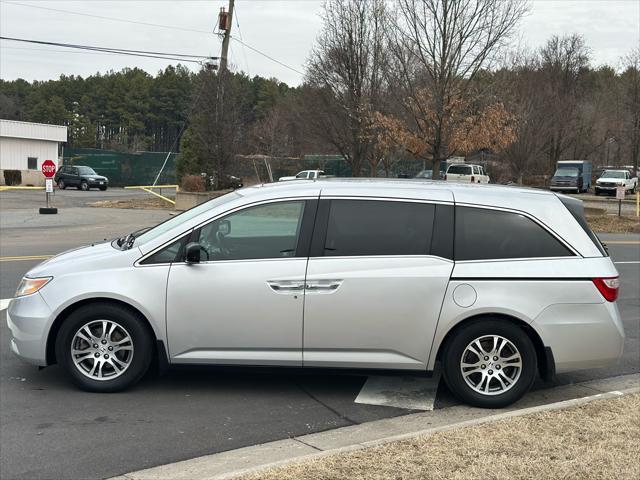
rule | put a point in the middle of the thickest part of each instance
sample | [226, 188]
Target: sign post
[620, 191]
[48, 170]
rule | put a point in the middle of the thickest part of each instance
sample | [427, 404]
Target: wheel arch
[62, 316]
[546, 363]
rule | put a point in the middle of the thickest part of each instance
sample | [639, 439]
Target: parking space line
[25, 258]
[409, 392]
[623, 263]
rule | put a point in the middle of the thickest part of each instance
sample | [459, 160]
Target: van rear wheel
[104, 347]
[490, 363]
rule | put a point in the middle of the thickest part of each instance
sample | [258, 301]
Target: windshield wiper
[127, 241]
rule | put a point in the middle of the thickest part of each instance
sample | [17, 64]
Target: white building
[24, 146]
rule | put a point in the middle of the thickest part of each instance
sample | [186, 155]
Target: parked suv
[497, 284]
[465, 173]
[80, 177]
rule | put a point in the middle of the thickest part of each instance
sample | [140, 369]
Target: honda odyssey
[496, 284]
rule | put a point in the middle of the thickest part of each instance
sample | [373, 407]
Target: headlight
[31, 285]
[92, 179]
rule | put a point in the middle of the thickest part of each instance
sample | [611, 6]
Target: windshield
[86, 171]
[612, 174]
[566, 172]
[183, 217]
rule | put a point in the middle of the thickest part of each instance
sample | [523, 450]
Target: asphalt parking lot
[48, 429]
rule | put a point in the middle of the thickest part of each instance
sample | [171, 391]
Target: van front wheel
[104, 347]
[490, 363]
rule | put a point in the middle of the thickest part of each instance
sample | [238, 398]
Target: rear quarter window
[485, 234]
[576, 209]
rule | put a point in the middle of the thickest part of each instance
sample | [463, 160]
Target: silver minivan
[495, 284]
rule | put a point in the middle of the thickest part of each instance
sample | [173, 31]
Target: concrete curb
[247, 460]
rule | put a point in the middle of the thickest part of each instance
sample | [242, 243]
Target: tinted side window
[460, 169]
[371, 227]
[576, 209]
[483, 234]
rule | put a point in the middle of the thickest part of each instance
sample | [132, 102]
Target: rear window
[576, 208]
[459, 169]
[484, 234]
[372, 227]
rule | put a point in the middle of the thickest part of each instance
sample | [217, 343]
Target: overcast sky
[284, 30]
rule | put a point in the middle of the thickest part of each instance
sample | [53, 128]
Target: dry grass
[613, 224]
[133, 203]
[597, 440]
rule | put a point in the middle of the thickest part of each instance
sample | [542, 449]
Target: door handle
[286, 286]
[323, 286]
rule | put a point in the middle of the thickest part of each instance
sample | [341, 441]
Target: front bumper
[29, 319]
[98, 183]
[582, 336]
[564, 188]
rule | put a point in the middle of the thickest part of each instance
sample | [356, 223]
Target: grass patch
[613, 224]
[598, 440]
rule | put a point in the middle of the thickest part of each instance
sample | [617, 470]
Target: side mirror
[192, 252]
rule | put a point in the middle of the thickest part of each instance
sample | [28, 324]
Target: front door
[72, 177]
[242, 304]
[376, 279]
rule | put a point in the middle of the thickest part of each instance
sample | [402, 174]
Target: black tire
[453, 354]
[84, 186]
[597, 192]
[61, 184]
[142, 342]
[103, 188]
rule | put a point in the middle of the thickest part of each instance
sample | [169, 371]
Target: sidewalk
[247, 460]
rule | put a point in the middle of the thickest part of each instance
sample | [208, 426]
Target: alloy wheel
[102, 350]
[491, 365]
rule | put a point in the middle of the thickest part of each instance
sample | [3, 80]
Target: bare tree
[631, 78]
[562, 62]
[345, 73]
[439, 46]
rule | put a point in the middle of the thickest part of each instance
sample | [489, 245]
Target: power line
[244, 51]
[102, 17]
[266, 56]
[53, 50]
[120, 51]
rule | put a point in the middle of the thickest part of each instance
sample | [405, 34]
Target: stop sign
[48, 168]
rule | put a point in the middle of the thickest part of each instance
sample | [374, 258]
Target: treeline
[423, 82]
[129, 110]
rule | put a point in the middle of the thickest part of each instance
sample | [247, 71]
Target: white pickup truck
[304, 175]
[466, 173]
[610, 179]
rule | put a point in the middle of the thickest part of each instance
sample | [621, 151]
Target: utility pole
[225, 21]
[228, 22]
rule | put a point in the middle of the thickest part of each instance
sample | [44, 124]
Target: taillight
[445, 176]
[608, 287]
[473, 179]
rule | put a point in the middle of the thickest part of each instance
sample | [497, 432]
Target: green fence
[122, 169]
